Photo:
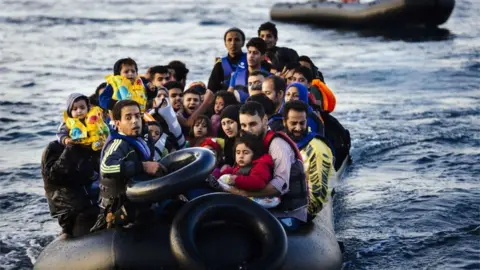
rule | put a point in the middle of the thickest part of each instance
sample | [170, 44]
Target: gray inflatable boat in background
[376, 14]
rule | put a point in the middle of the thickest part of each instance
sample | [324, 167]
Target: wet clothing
[68, 173]
[254, 176]
[280, 56]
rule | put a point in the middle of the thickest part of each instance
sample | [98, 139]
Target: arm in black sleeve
[216, 77]
[115, 163]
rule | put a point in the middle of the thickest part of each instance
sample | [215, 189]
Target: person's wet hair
[268, 26]
[306, 72]
[174, 84]
[257, 43]
[267, 103]
[158, 69]
[253, 108]
[296, 105]
[117, 67]
[253, 142]
[117, 109]
[180, 68]
[278, 82]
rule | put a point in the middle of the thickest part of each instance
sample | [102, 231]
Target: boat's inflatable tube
[233, 211]
[231, 237]
[187, 168]
[378, 14]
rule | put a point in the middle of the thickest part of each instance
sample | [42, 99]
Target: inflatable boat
[376, 14]
[213, 231]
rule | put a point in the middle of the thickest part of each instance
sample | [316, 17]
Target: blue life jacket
[137, 143]
[229, 68]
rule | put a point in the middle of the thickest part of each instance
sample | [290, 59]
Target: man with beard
[278, 56]
[124, 156]
[288, 175]
[274, 88]
[317, 155]
[234, 39]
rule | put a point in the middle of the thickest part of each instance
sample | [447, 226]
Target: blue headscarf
[302, 91]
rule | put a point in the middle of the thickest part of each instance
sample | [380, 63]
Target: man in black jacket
[68, 173]
[279, 56]
[124, 156]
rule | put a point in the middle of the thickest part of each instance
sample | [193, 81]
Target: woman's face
[230, 127]
[292, 94]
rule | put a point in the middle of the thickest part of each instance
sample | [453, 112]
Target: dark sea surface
[411, 100]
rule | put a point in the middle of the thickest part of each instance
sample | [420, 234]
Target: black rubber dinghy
[213, 231]
[376, 14]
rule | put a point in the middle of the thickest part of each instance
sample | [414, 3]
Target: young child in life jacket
[83, 124]
[126, 84]
[201, 129]
[215, 145]
[222, 99]
[253, 169]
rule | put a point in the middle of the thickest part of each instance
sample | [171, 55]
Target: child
[158, 140]
[83, 124]
[222, 99]
[125, 84]
[202, 128]
[215, 145]
[253, 168]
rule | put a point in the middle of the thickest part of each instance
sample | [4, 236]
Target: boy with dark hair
[319, 92]
[125, 84]
[279, 56]
[159, 75]
[255, 57]
[180, 71]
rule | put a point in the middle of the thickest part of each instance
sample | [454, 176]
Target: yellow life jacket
[123, 89]
[318, 164]
[93, 132]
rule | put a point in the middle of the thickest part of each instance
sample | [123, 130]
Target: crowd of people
[264, 113]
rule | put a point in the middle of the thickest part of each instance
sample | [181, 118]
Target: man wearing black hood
[278, 56]
[234, 39]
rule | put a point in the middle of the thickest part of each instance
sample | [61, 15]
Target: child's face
[154, 132]
[219, 105]
[129, 72]
[243, 155]
[200, 129]
[190, 102]
[79, 109]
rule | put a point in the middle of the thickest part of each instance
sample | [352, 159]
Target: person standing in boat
[316, 153]
[288, 173]
[234, 39]
[278, 56]
[124, 156]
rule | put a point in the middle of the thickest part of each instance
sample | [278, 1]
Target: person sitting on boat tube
[288, 174]
[307, 62]
[234, 39]
[124, 156]
[253, 168]
[125, 84]
[279, 56]
[323, 96]
[316, 153]
[83, 124]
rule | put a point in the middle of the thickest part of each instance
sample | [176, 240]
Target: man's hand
[68, 141]
[209, 96]
[238, 191]
[151, 167]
